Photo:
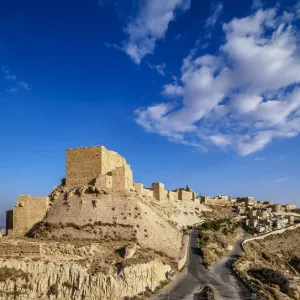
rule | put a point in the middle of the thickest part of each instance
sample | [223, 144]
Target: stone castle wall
[158, 191]
[185, 195]
[27, 212]
[85, 164]
[172, 195]
[148, 193]
[211, 201]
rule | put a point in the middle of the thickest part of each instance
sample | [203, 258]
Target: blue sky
[204, 93]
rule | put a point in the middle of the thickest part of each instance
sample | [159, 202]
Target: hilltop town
[101, 235]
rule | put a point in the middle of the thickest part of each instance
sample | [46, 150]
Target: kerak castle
[99, 189]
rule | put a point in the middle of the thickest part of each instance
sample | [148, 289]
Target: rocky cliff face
[43, 279]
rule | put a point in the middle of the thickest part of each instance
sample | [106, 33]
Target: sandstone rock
[129, 251]
[70, 195]
[55, 195]
[74, 279]
[92, 189]
[291, 289]
[83, 190]
[229, 247]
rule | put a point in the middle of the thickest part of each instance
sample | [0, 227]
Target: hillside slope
[272, 264]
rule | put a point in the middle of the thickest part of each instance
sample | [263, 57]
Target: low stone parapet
[183, 251]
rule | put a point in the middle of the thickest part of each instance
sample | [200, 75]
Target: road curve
[220, 278]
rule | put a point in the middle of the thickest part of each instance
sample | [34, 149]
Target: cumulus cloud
[150, 25]
[10, 77]
[256, 4]
[12, 90]
[160, 69]
[24, 84]
[216, 9]
[242, 98]
[259, 158]
[276, 180]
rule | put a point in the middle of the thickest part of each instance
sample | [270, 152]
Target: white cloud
[24, 84]
[256, 4]
[151, 25]
[217, 9]
[242, 98]
[10, 77]
[172, 90]
[259, 158]
[160, 69]
[220, 140]
[114, 46]
[12, 90]
[283, 157]
[279, 180]
[8, 74]
[177, 37]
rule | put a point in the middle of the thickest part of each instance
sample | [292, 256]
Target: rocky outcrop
[129, 251]
[56, 279]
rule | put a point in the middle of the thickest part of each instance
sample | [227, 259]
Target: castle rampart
[83, 165]
[27, 212]
[158, 191]
[86, 168]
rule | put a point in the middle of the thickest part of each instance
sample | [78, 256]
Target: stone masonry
[27, 212]
[86, 167]
[87, 164]
[158, 191]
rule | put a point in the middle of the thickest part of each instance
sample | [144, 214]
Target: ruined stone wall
[110, 160]
[158, 191]
[290, 207]
[148, 193]
[139, 188]
[9, 220]
[172, 195]
[194, 196]
[85, 164]
[104, 182]
[210, 201]
[129, 177]
[27, 212]
[184, 195]
[119, 179]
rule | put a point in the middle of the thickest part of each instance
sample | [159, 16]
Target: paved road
[220, 278]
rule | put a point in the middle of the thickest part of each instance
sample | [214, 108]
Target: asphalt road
[220, 278]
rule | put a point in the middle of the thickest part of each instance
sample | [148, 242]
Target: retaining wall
[184, 251]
